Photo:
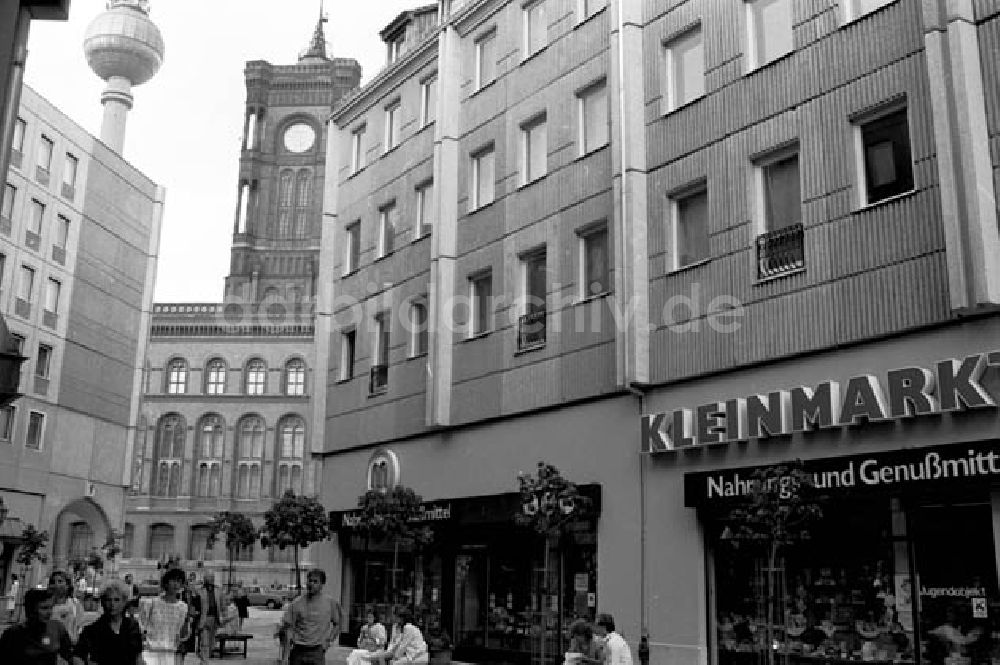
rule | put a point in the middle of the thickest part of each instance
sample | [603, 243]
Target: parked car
[269, 598]
[149, 588]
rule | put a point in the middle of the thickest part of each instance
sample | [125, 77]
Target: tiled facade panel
[989, 49]
[986, 8]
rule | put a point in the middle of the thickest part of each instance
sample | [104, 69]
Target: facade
[226, 421]
[735, 233]
[79, 235]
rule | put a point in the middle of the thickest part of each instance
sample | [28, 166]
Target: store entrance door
[957, 583]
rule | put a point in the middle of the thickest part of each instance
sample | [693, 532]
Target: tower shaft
[117, 101]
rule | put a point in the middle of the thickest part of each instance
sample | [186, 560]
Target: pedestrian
[616, 651]
[310, 624]
[165, 622]
[583, 648]
[15, 588]
[210, 606]
[407, 644]
[65, 607]
[371, 640]
[242, 602]
[40, 638]
[115, 638]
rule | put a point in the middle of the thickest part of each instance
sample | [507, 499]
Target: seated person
[229, 617]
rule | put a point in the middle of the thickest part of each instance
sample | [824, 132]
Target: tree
[295, 521]
[32, 549]
[240, 532]
[393, 514]
[549, 503]
[780, 506]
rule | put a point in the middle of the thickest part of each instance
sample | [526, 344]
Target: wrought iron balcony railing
[780, 251]
[378, 380]
[531, 329]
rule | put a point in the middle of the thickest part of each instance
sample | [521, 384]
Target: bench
[223, 640]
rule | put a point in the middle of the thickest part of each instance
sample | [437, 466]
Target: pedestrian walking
[133, 595]
[242, 602]
[211, 606]
[115, 638]
[616, 651]
[165, 622]
[310, 624]
[39, 639]
[15, 588]
[66, 609]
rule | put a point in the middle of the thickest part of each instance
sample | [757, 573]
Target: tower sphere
[123, 42]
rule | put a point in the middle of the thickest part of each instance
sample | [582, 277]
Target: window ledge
[858, 17]
[482, 87]
[532, 56]
[429, 123]
[345, 380]
[690, 102]
[529, 349]
[596, 296]
[417, 356]
[532, 182]
[590, 152]
[378, 392]
[477, 336]
[354, 173]
[690, 266]
[351, 272]
[482, 207]
[391, 150]
[423, 236]
[384, 256]
[769, 63]
[892, 199]
[587, 19]
[772, 278]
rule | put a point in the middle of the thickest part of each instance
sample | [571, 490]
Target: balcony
[780, 252]
[378, 380]
[531, 330]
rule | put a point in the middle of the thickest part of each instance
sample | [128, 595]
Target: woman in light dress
[370, 640]
[407, 645]
[66, 609]
[164, 622]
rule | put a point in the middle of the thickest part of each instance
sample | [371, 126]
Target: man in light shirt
[311, 624]
[616, 651]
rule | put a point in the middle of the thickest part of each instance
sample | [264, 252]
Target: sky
[184, 130]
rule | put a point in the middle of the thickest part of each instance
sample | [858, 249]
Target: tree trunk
[545, 600]
[229, 584]
[298, 582]
[769, 632]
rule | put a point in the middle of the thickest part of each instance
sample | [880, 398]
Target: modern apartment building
[226, 419]
[661, 245]
[79, 232]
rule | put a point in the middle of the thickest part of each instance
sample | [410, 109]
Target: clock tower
[276, 234]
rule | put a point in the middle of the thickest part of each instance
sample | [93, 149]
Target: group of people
[406, 645]
[597, 644]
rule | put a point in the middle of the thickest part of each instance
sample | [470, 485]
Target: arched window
[297, 479]
[169, 453]
[383, 470]
[295, 377]
[293, 435]
[128, 541]
[81, 539]
[212, 436]
[204, 474]
[215, 377]
[161, 541]
[199, 549]
[250, 451]
[256, 377]
[284, 479]
[176, 377]
[285, 203]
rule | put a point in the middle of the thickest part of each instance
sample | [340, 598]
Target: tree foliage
[295, 521]
[112, 546]
[393, 514]
[549, 501]
[238, 529]
[33, 544]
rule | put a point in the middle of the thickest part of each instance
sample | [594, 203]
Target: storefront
[482, 579]
[901, 441]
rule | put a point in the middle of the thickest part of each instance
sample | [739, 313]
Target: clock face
[299, 137]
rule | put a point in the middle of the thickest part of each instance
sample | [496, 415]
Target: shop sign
[430, 513]
[952, 385]
[897, 469]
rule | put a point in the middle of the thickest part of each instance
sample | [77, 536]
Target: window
[357, 149]
[347, 347]
[781, 195]
[483, 178]
[428, 100]
[213, 433]
[293, 437]
[176, 377]
[352, 248]
[52, 291]
[379, 378]
[885, 152]
[386, 229]
[594, 268]
[481, 297]
[44, 154]
[161, 541]
[36, 429]
[534, 152]
[690, 234]
[200, 551]
[7, 414]
[594, 127]
[215, 377]
[43, 361]
[685, 69]
[251, 444]
[27, 284]
[769, 31]
[171, 434]
[295, 377]
[394, 48]
[20, 129]
[418, 327]
[3, 268]
[81, 539]
[392, 119]
[486, 60]
[62, 232]
[425, 199]
[17, 343]
[256, 377]
[855, 9]
[37, 214]
[590, 7]
[531, 326]
[535, 28]
[9, 194]
[128, 541]
[69, 173]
